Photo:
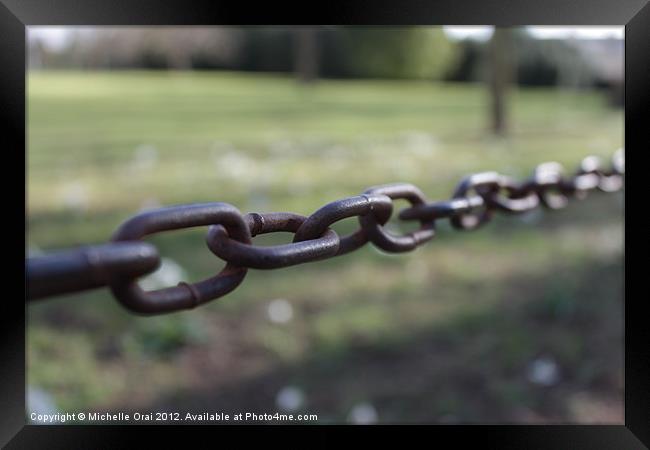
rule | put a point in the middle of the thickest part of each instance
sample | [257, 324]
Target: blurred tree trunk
[501, 74]
[306, 57]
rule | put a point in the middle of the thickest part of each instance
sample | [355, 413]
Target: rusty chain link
[477, 197]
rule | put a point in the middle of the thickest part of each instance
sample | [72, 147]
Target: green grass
[469, 310]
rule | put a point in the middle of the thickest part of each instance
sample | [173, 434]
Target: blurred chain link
[477, 197]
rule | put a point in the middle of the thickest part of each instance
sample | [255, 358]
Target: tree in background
[306, 53]
[386, 52]
[501, 75]
[543, 62]
[266, 49]
[468, 63]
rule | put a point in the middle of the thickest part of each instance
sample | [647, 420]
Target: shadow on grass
[551, 350]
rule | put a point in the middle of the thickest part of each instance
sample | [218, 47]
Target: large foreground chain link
[477, 197]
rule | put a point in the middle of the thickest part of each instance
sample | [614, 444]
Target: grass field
[520, 321]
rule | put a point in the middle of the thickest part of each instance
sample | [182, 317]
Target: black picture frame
[16, 15]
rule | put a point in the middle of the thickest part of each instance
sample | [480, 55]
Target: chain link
[477, 197]
[246, 255]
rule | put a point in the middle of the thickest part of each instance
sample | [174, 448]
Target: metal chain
[477, 197]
